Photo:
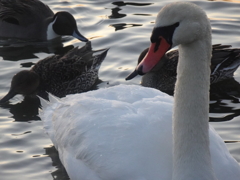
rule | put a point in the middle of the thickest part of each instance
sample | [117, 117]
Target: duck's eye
[11, 20]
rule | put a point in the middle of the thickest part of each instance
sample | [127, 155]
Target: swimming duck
[224, 63]
[32, 20]
[74, 72]
[125, 132]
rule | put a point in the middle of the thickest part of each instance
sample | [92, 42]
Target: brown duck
[74, 72]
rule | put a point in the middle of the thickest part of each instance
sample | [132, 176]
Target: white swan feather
[121, 132]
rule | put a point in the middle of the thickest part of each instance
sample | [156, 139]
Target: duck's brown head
[24, 82]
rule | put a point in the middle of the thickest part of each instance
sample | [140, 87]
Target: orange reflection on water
[221, 19]
[235, 1]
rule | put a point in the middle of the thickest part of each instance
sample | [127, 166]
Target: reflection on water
[28, 50]
[122, 3]
[60, 173]
[235, 1]
[121, 26]
[115, 13]
[220, 92]
[27, 110]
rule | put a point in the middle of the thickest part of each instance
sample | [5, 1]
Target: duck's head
[63, 23]
[176, 23]
[24, 82]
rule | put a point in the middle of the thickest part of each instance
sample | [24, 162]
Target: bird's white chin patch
[50, 32]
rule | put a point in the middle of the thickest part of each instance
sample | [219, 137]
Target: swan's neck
[192, 158]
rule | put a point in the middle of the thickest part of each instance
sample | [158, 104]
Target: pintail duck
[74, 72]
[224, 63]
[32, 20]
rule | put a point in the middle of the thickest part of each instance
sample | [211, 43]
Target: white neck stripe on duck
[50, 32]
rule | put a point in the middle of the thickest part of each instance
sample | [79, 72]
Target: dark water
[27, 153]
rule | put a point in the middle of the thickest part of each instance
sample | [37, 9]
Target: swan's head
[179, 23]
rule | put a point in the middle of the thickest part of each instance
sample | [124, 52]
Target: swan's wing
[110, 131]
[115, 133]
[225, 166]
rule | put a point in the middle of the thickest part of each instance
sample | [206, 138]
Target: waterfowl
[125, 132]
[32, 20]
[224, 63]
[74, 72]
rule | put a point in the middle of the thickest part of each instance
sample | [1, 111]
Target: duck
[33, 20]
[224, 63]
[134, 132]
[74, 72]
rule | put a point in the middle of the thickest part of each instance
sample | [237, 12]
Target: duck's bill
[79, 36]
[132, 75]
[8, 96]
[155, 53]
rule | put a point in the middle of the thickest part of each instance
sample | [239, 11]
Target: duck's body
[74, 72]
[125, 132]
[32, 20]
[163, 76]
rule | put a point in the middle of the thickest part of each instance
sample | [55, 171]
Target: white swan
[125, 132]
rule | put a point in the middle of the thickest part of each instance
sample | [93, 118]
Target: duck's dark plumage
[25, 15]
[74, 72]
[30, 10]
[224, 62]
[29, 20]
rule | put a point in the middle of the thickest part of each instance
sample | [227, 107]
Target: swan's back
[122, 132]
[112, 136]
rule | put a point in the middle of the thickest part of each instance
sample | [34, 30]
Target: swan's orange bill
[153, 56]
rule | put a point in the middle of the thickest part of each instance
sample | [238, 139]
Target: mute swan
[74, 72]
[32, 20]
[125, 132]
[224, 63]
